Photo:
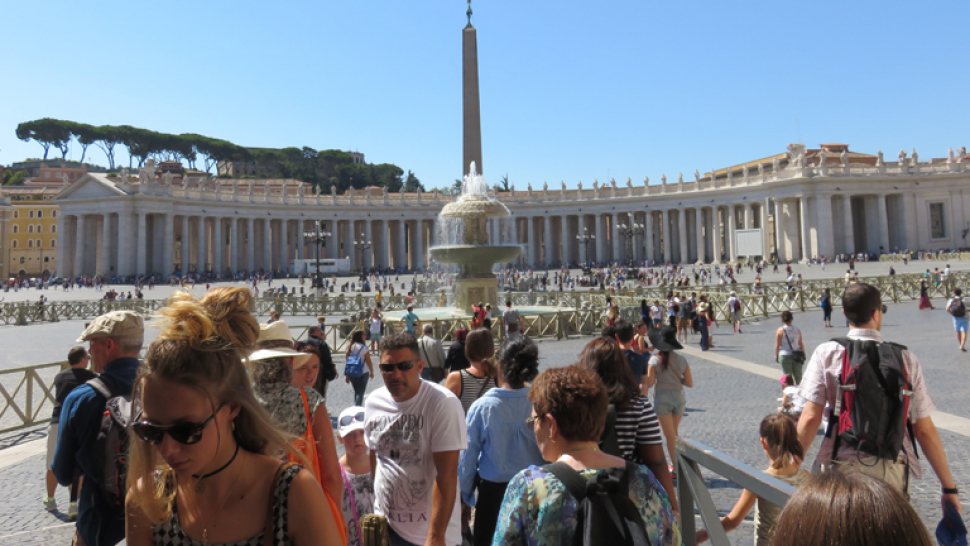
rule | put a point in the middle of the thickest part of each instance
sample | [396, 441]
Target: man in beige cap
[115, 340]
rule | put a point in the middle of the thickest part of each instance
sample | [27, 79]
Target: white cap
[354, 419]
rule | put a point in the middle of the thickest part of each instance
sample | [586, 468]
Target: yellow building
[30, 247]
[6, 213]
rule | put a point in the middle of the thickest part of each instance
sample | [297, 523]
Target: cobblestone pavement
[724, 410]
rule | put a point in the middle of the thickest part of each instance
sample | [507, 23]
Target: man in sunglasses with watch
[115, 340]
[415, 430]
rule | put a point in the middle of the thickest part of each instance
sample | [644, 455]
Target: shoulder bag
[797, 354]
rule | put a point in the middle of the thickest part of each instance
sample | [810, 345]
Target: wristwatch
[951, 491]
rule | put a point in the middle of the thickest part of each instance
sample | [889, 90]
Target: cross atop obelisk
[472, 118]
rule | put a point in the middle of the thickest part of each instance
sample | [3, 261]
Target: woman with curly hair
[500, 444]
[568, 414]
[203, 466]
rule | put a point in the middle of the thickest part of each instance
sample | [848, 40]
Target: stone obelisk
[472, 110]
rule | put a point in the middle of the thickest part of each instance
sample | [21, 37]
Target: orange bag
[307, 445]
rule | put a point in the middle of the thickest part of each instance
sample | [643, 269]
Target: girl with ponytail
[203, 458]
[779, 439]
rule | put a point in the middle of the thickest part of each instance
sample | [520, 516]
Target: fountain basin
[476, 255]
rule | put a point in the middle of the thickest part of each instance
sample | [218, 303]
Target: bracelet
[951, 491]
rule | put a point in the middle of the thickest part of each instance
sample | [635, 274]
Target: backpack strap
[574, 481]
[101, 387]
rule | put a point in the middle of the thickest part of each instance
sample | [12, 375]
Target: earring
[233, 426]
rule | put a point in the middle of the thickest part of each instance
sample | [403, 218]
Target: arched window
[30, 243]
[40, 228]
[15, 242]
[16, 228]
[53, 243]
[30, 228]
[53, 214]
[54, 228]
[30, 214]
[38, 244]
[16, 214]
[40, 214]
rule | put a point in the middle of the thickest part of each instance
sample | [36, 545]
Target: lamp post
[586, 239]
[318, 238]
[362, 245]
[629, 232]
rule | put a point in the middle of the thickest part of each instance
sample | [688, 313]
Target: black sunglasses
[403, 366]
[348, 419]
[186, 432]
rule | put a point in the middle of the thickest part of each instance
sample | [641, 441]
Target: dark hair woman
[500, 443]
[668, 373]
[635, 423]
[471, 383]
[568, 413]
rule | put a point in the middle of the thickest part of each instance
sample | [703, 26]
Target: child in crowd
[779, 439]
[355, 464]
[792, 402]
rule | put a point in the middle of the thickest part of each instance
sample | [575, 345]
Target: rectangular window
[937, 221]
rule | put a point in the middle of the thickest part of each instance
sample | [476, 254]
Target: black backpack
[111, 444]
[609, 442]
[871, 412]
[958, 309]
[605, 514]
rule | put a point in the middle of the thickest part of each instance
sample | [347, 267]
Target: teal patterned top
[539, 511]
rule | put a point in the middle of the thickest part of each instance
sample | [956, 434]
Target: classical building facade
[806, 203]
[32, 238]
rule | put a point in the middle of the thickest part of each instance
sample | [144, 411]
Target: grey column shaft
[716, 231]
[168, 244]
[285, 244]
[849, 239]
[804, 226]
[732, 226]
[581, 232]
[564, 239]
[667, 239]
[824, 225]
[141, 265]
[201, 254]
[419, 247]
[699, 234]
[682, 235]
[548, 253]
[219, 246]
[184, 243]
[615, 236]
[106, 245]
[234, 245]
[267, 244]
[472, 123]
[602, 238]
[300, 240]
[765, 238]
[884, 222]
[648, 236]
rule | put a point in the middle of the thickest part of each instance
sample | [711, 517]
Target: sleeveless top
[472, 388]
[766, 514]
[170, 533]
[789, 340]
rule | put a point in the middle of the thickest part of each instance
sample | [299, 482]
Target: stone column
[548, 253]
[61, 254]
[781, 232]
[602, 238]
[716, 231]
[80, 238]
[234, 247]
[125, 232]
[732, 226]
[667, 239]
[824, 226]
[219, 244]
[909, 220]
[168, 244]
[201, 254]
[368, 237]
[803, 226]
[580, 231]
[749, 216]
[184, 244]
[285, 243]
[682, 235]
[104, 268]
[699, 233]
[267, 244]
[884, 222]
[615, 236]
[384, 229]
[402, 255]
[141, 265]
[564, 240]
[419, 247]
[301, 252]
[765, 238]
[847, 225]
[515, 236]
[648, 236]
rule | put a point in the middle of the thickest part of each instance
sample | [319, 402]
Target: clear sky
[570, 90]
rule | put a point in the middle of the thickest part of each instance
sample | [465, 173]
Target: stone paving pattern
[724, 409]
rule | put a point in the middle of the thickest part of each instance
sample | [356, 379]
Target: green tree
[86, 135]
[411, 183]
[503, 183]
[13, 178]
[107, 138]
[456, 187]
[47, 132]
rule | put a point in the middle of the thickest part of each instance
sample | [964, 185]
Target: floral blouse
[539, 511]
[284, 402]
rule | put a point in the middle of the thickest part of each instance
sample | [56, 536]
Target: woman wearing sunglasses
[203, 466]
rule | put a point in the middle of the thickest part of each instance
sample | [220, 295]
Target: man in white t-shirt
[415, 430]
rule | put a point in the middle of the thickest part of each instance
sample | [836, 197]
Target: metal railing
[28, 396]
[692, 493]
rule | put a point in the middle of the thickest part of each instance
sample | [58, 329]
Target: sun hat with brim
[278, 331]
[280, 352]
[664, 339]
[114, 324]
[350, 417]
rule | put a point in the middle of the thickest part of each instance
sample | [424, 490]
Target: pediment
[90, 186]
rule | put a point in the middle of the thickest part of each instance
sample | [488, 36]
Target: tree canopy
[323, 168]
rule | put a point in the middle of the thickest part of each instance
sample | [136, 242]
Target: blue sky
[570, 90]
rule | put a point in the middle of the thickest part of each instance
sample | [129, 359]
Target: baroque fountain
[465, 243]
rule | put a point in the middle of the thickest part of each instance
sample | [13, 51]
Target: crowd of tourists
[219, 433]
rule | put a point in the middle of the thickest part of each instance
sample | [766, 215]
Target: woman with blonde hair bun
[203, 466]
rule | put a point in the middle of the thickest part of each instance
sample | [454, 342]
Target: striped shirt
[637, 424]
[472, 388]
[821, 381]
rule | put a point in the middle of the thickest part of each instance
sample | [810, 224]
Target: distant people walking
[734, 311]
[357, 356]
[64, 383]
[456, 359]
[825, 302]
[411, 322]
[512, 319]
[924, 296]
[668, 374]
[376, 324]
[789, 347]
[433, 354]
[958, 309]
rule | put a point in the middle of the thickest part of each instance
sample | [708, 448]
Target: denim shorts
[670, 403]
[960, 323]
[375, 336]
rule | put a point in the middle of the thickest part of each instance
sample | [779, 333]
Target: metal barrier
[692, 492]
[26, 394]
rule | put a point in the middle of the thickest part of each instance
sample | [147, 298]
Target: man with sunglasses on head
[115, 340]
[415, 430]
[821, 385]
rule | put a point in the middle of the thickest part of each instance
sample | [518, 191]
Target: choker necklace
[592, 448]
[200, 486]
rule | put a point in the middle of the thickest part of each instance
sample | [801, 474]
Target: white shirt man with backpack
[115, 340]
[822, 383]
[958, 309]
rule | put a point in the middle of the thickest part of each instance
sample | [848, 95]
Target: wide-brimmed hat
[280, 352]
[664, 339]
[277, 331]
